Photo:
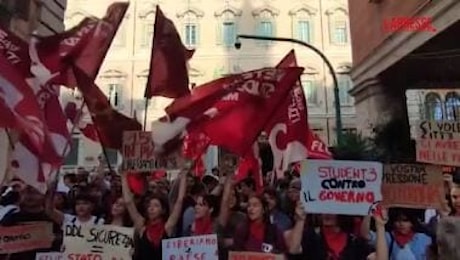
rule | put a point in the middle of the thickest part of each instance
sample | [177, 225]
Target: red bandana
[257, 230]
[203, 226]
[403, 239]
[155, 232]
[336, 241]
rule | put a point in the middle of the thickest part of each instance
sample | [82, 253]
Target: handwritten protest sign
[196, 247]
[26, 237]
[438, 142]
[138, 151]
[253, 256]
[98, 242]
[412, 185]
[340, 187]
[49, 256]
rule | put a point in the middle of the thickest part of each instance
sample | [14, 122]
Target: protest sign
[340, 187]
[49, 256]
[138, 151]
[196, 247]
[412, 185]
[26, 237]
[438, 142]
[98, 242]
[253, 256]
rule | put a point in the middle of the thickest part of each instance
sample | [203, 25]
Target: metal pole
[338, 113]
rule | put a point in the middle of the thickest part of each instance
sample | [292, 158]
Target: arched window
[147, 20]
[190, 26]
[266, 22]
[302, 23]
[227, 25]
[338, 25]
[433, 106]
[452, 106]
[113, 82]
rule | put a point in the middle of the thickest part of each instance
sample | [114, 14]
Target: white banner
[196, 247]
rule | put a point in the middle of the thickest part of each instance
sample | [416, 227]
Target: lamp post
[338, 114]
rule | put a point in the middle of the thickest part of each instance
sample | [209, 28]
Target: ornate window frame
[228, 14]
[338, 17]
[303, 13]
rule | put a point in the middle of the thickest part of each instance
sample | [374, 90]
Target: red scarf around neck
[257, 230]
[203, 226]
[403, 239]
[155, 232]
[336, 241]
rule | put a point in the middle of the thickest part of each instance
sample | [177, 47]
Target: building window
[72, 157]
[304, 31]
[265, 28]
[433, 107]
[345, 86]
[147, 21]
[452, 106]
[340, 36]
[228, 33]
[350, 130]
[311, 91]
[191, 35]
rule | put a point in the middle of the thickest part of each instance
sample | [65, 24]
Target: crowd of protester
[267, 220]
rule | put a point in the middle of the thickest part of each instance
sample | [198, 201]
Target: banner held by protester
[138, 151]
[340, 187]
[253, 256]
[107, 241]
[49, 256]
[412, 185]
[26, 237]
[195, 247]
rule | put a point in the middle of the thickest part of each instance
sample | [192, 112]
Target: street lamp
[338, 114]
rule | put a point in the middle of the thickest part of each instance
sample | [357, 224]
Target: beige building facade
[210, 27]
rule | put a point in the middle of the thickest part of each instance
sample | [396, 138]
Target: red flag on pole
[168, 65]
[109, 123]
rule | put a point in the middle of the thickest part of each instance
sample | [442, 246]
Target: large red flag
[168, 65]
[249, 108]
[213, 101]
[80, 118]
[109, 123]
[20, 110]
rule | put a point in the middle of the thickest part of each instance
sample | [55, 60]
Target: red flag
[19, 106]
[195, 146]
[212, 102]
[251, 164]
[317, 149]
[168, 65]
[82, 120]
[249, 108]
[109, 123]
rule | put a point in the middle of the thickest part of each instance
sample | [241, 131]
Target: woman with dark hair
[333, 240]
[277, 217]
[258, 234]
[155, 223]
[404, 240]
[119, 215]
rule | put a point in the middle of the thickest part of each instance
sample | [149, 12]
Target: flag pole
[146, 106]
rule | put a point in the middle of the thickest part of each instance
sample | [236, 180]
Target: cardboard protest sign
[138, 151]
[26, 237]
[253, 256]
[340, 187]
[196, 247]
[412, 185]
[438, 142]
[98, 242]
[49, 256]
